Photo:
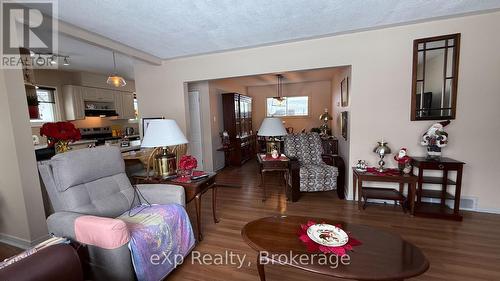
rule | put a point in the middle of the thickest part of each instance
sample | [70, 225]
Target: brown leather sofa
[54, 263]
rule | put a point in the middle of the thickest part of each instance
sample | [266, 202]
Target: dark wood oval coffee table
[382, 255]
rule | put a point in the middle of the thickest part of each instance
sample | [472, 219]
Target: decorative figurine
[435, 138]
[274, 153]
[381, 149]
[404, 161]
[361, 166]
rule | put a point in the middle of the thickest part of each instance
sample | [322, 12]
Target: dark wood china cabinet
[237, 111]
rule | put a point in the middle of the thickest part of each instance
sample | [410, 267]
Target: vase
[62, 146]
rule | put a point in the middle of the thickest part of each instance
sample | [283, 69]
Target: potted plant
[60, 134]
[33, 107]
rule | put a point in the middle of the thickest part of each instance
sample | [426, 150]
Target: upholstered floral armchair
[310, 169]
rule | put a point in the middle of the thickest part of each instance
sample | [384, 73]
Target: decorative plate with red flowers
[326, 235]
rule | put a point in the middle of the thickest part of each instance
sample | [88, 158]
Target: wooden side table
[268, 164]
[193, 191]
[383, 193]
[439, 210]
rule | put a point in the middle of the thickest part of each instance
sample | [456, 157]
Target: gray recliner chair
[92, 181]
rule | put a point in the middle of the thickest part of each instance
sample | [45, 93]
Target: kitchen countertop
[42, 146]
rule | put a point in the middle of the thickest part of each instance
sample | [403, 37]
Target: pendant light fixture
[114, 79]
[279, 99]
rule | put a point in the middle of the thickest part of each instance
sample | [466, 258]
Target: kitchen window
[46, 106]
[289, 107]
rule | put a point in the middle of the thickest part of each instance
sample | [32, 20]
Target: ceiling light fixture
[114, 79]
[279, 99]
[40, 61]
[53, 59]
[66, 61]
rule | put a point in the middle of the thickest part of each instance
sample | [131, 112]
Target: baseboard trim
[488, 210]
[478, 210]
[20, 242]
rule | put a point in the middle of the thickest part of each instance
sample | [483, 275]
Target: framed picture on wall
[344, 92]
[145, 123]
[343, 123]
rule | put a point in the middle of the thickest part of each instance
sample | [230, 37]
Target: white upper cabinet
[74, 105]
[75, 98]
[96, 94]
[89, 94]
[105, 95]
[127, 111]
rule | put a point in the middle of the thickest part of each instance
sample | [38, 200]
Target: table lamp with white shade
[160, 134]
[272, 127]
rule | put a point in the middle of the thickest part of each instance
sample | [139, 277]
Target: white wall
[22, 219]
[320, 97]
[380, 90]
[206, 133]
[344, 72]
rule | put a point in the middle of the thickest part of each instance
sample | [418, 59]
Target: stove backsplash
[93, 122]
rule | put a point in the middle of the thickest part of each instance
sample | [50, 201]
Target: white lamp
[272, 127]
[162, 133]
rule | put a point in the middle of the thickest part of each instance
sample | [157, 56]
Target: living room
[387, 107]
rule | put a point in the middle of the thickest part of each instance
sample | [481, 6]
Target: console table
[438, 210]
[383, 193]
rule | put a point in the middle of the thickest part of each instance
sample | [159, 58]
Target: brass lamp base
[272, 145]
[166, 164]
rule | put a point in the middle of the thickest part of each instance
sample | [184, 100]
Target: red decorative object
[270, 158]
[34, 112]
[402, 157]
[386, 172]
[60, 131]
[315, 247]
[188, 162]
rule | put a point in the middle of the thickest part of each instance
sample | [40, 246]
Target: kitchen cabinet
[124, 105]
[75, 98]
[105, 95]
[128, 110]
[89, 94]
[99, 95]
[73, 102]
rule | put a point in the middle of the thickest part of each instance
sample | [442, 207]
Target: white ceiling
[173, 28]
[311, 75]
[90, 58]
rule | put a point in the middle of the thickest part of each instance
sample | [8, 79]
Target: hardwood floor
[468, 250]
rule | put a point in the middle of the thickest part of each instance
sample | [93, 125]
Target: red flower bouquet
[60, 131]
[315, 247]
[60, 134]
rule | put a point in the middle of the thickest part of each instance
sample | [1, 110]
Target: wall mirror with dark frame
[435, 77]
